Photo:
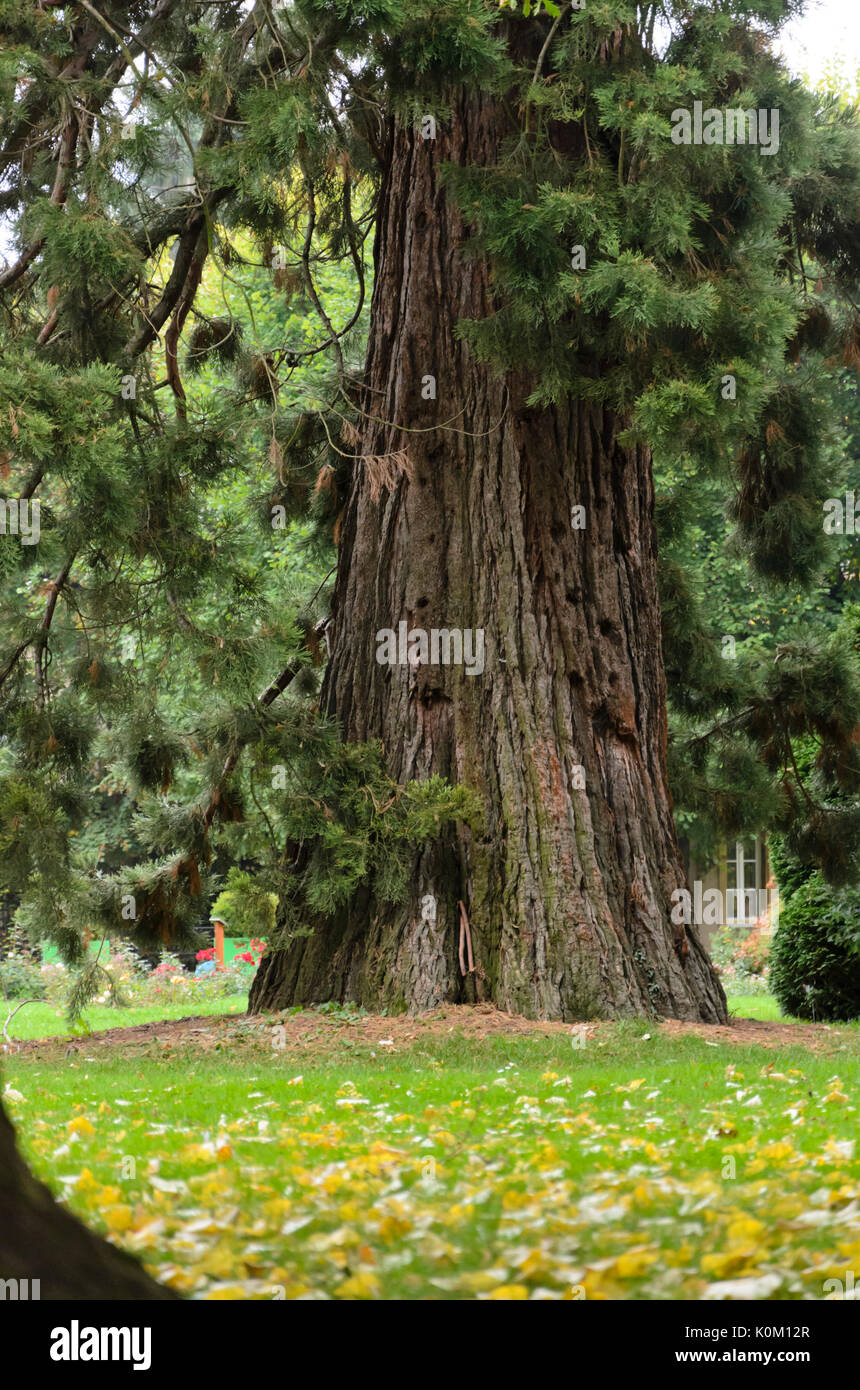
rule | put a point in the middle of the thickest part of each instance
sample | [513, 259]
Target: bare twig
[309, 280]
[547, 41]
[13, 1012]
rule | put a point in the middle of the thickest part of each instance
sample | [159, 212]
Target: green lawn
[47, 1021]
[762, 1006]
[765, 1007]
[440, 1166]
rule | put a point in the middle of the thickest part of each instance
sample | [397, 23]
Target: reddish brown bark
[567, 890]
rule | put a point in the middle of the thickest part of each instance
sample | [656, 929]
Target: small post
[219, 942]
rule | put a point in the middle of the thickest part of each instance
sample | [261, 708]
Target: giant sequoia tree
[561, 290]
[568, 880]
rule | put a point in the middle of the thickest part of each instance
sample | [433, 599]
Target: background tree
[752, 619]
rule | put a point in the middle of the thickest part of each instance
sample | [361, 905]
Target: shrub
[815, 957]
[788, 870]
[246, 905]
[55, 980]
[20, 977]
[168, 983]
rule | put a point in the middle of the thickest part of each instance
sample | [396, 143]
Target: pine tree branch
[312, 290]
[47, 329]
[268, 697]
[40, 638]
[353, 237]
[180, 314]
[41, 643]
[33, 116]
[547, 41]
[137, 43]
[14, 659]
[195, 224]
[62, 179]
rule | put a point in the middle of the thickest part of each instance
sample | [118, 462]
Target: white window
[746, 895]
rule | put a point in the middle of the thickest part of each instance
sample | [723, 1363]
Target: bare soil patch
[754, 1031]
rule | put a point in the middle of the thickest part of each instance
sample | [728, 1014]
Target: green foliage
[245, 906]
[789, 872]
[20, 977]
[359, 827]
[815, 960]
[152, 751]
[766, 740]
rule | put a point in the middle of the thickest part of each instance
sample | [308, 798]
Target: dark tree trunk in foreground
[567, 889]
[39, 1240]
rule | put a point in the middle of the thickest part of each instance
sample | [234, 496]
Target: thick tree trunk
[567, 886]
[40, 1241]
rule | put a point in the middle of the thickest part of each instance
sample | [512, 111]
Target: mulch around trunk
[313, 1032]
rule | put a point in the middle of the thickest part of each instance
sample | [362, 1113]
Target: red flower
[206, 955]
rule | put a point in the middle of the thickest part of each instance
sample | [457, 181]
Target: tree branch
[62, 179]
[180, 314]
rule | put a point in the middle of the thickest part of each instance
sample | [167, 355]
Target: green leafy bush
[246, 905]
[815, 957]
[788, 870]
[20, 977]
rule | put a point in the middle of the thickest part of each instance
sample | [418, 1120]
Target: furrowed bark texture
[567, 887]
